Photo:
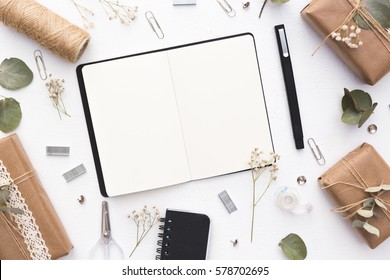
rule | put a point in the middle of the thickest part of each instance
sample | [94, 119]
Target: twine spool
[45, 27]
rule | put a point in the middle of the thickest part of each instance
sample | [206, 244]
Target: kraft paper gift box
[346, 183]
[371, 61]
[13, 245]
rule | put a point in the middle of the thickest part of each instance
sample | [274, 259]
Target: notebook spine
[163, 243]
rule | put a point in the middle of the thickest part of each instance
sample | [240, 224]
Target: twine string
[45, 27]
[359, 9]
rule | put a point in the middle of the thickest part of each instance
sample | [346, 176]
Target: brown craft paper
[366, 168]
[12, 246]
[371, 61]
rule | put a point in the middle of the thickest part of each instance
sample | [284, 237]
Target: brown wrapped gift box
[12, 244]
[369, 62]
[362, 167]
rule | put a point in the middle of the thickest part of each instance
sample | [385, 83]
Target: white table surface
[320, 81]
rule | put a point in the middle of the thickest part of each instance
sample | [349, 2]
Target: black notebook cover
[185, 236]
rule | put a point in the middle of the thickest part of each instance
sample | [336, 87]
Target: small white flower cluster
[145, 217]
[56, 88]
[115, 10]
[257, 163]
[349, 35]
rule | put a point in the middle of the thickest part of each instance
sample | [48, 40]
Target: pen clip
[283, 41]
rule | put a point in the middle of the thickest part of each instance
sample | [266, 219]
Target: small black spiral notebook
[185, 236]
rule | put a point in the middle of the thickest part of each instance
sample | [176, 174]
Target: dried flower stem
[115, 10]
[144, 221]
[262, 8]
[258, 167]
[56, 89]
[85, 13]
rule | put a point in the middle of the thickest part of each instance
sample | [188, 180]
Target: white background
[320, 81]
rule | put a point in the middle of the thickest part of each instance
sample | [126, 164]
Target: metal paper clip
[40, 64]
[227, 8]
[316, 151]
[154, 24]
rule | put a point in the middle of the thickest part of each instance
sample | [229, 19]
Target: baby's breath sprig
[144, 220]
[115, 10]
[349, 34]
[56, 88]
[85, 13]
[258, 166]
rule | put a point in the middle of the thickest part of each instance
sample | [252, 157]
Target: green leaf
[369, 202]
[379, 10]
[14, 74]
[10, 114]
[293, 247]
[350, 116]
[367, 114]
[347, 101]
[358, 224]
[279, 2]
[371, 229]
[366, 213]
[361, 99]
[4, 195]
[12, 210]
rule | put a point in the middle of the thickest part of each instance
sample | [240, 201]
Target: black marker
[290, 86]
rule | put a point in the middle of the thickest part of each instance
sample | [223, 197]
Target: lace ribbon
[26, 224]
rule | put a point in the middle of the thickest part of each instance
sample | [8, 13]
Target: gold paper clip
[40, 64]
[316, 151]
[154, 24]
[227, 8]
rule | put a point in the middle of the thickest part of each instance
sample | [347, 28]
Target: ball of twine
[45, 27]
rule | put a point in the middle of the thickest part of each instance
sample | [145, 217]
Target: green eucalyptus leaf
[4, 195]
[367, 114]
[279, 2]
[379, 10]
[10, 114]
[347, 101]
[371, 229]
[15, 74]
[12, 210]
[369, 202]
[293, 247]
[366, 213]
[380, 204]
[351, 116]
[361, 99]
[358, 223]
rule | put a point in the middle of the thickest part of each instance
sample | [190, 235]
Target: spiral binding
[163, 243]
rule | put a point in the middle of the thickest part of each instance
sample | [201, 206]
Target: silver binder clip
[227, 8]
[154, 24]
[316, 151]
[40, 64]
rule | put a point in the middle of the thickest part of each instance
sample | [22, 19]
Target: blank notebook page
[221, 105]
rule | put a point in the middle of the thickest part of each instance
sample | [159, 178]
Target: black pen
[290, 85]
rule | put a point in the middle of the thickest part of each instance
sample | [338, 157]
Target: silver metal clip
[40, 64]
[316, 151]
[227, 8]
[154, 24]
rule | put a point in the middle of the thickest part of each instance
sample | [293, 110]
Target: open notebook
[174, 115]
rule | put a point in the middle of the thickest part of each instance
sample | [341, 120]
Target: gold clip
[227, 8]
[316, 151]
[154, 24]
[40, 64]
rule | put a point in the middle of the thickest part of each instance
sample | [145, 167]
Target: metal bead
[372, 128]
[81, 199]
[301, 180]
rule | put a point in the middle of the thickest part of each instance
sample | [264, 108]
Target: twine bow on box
[26, 225]
[359, 9]
[377, 196]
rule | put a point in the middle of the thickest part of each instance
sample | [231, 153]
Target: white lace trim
[25, 222]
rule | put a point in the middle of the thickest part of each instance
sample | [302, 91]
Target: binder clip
[287, 199]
